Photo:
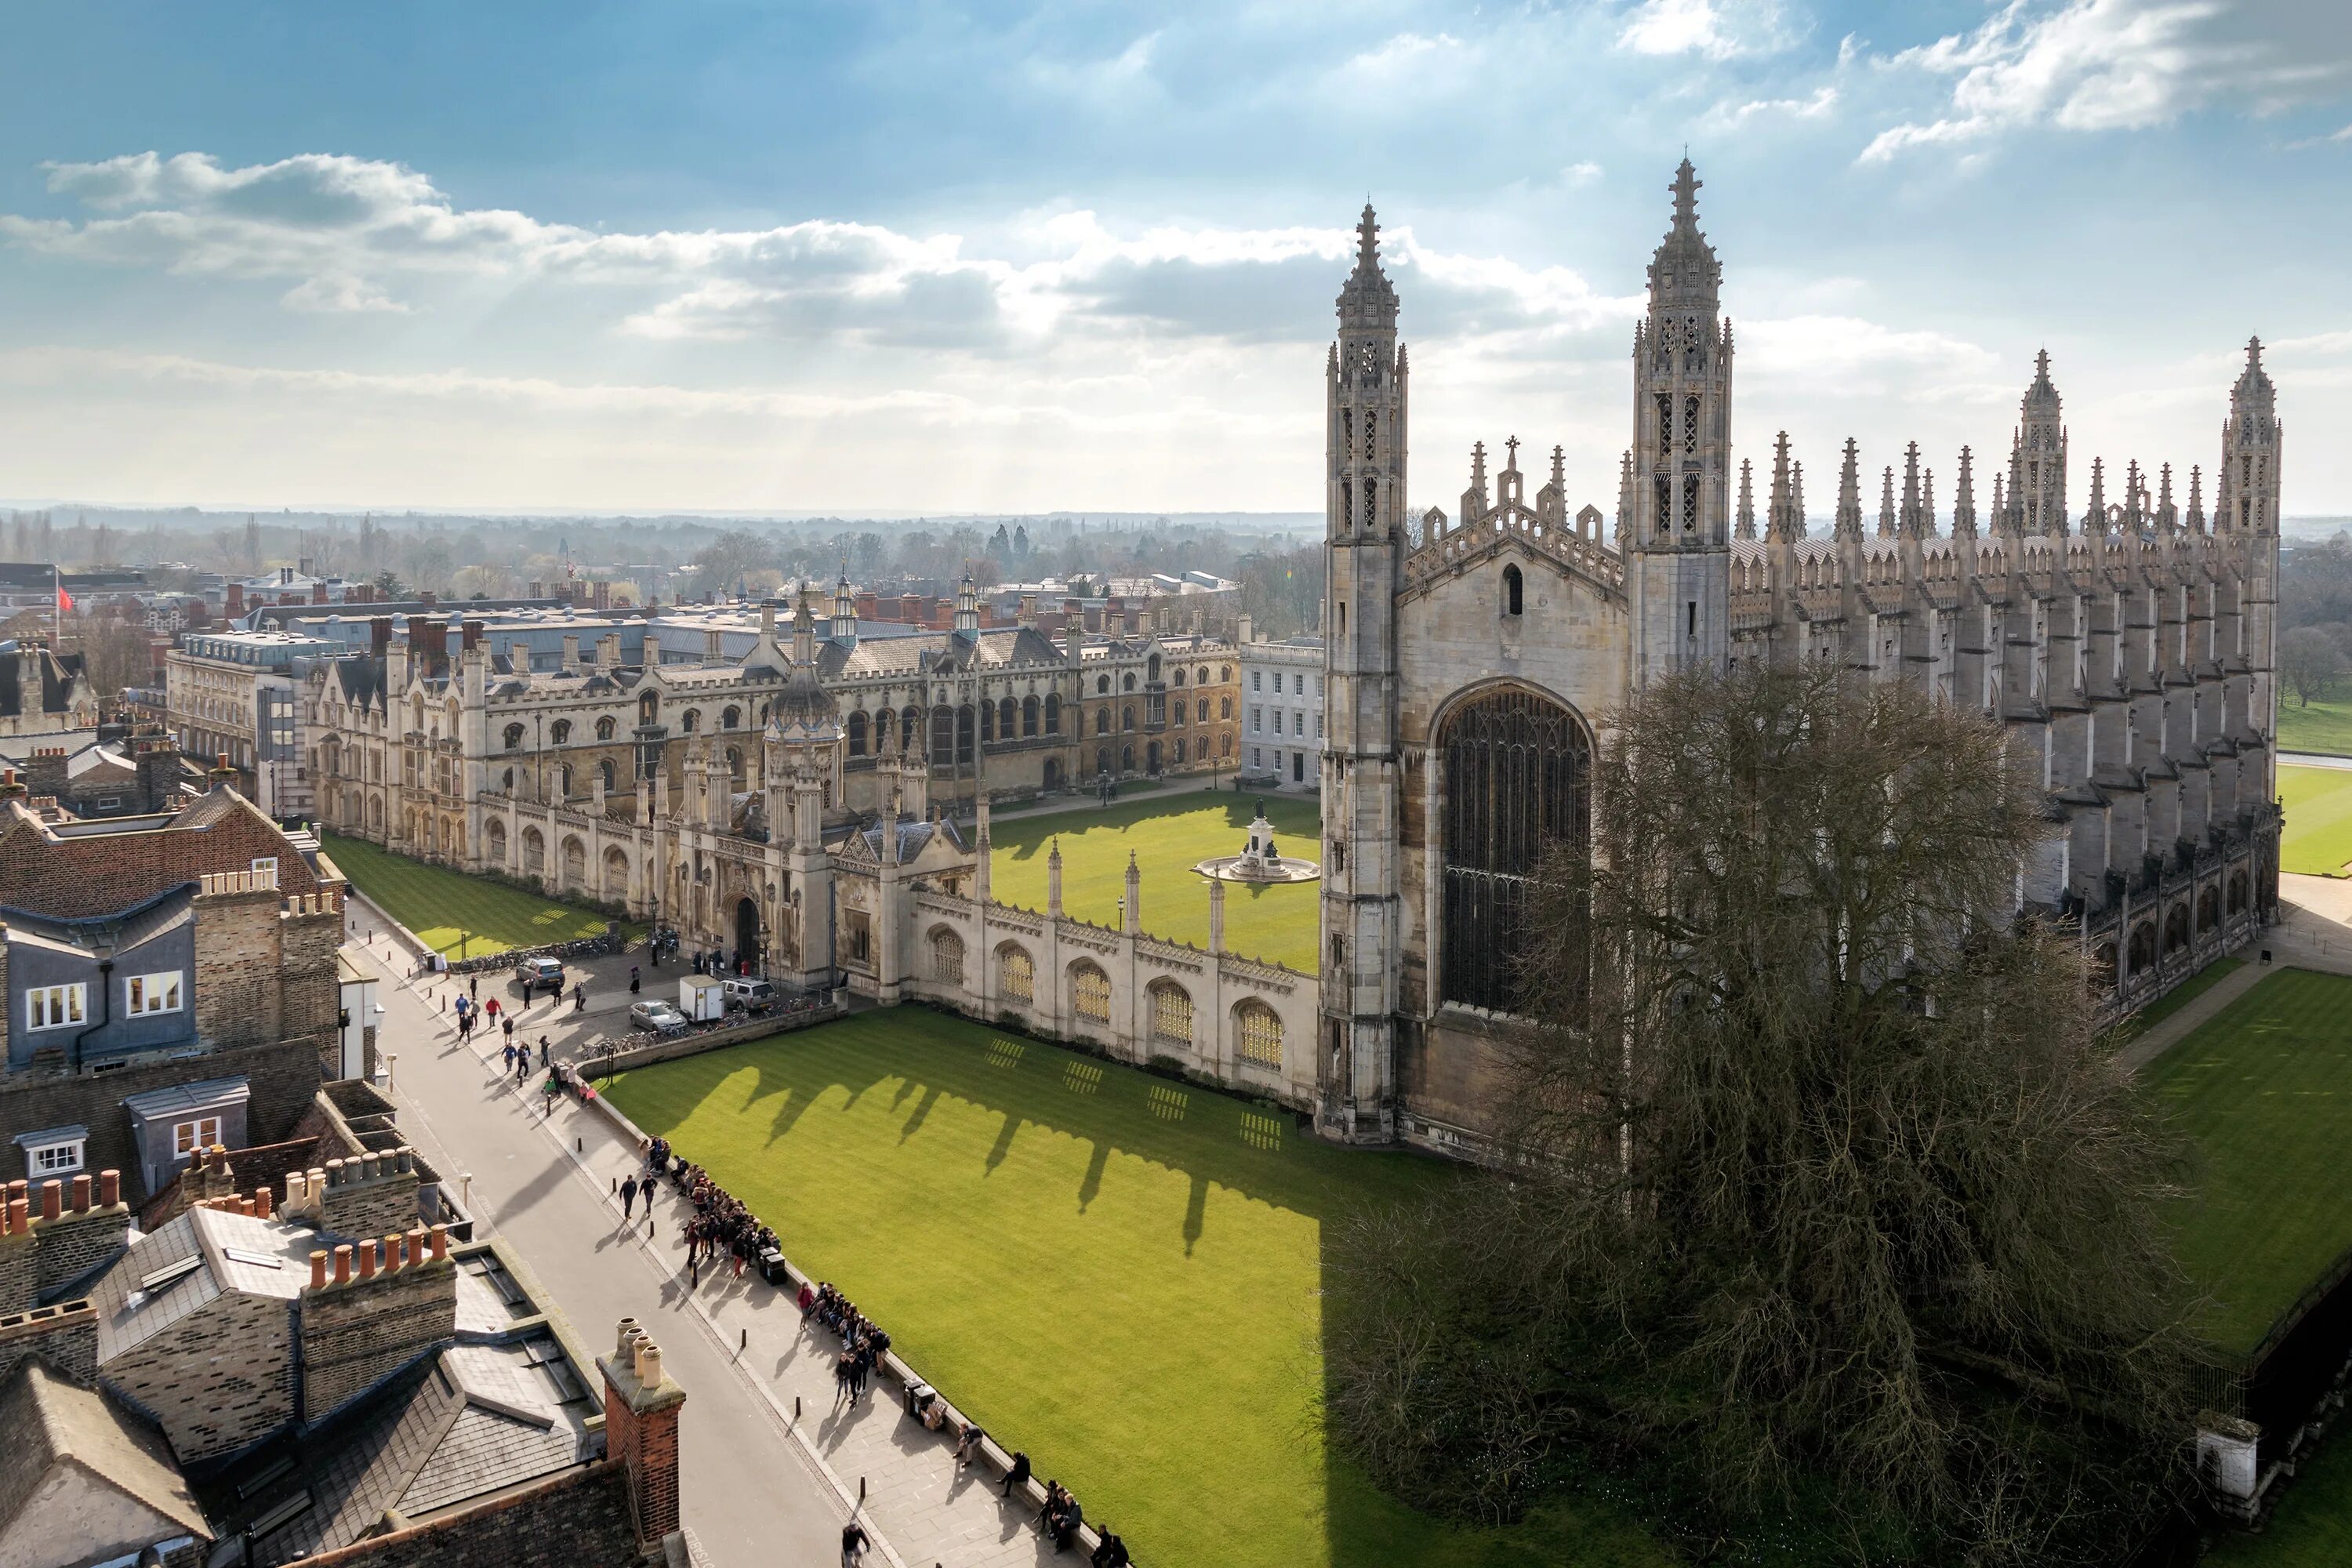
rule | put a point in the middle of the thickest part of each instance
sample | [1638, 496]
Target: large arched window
[1016, 975]
[605, 728]
[1172, 1013]
[1028, 717]
[856, 729]
[1518, 778]
[513, 737]
[1090, 993]
[1257, 1031]
[560, 732]
[947, 956]
[1052, 713]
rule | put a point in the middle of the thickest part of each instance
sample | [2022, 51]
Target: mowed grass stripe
[442, 906]
[2319, 802]
[1120, 1274]
[1168, 834]
[2264, 1090]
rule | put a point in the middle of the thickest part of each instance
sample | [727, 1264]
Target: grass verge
[449, 909]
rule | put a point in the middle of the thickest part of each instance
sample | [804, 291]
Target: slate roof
[51, 1421]
[52, 685]
[474, 1419]
[132, 1311]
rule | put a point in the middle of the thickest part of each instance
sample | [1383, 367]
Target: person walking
[507, 1023]
[633, 980]
[852, 1544]
[543, 1051]
[629, 1197]
[509, 1056]
[579, 997]
[474, 985]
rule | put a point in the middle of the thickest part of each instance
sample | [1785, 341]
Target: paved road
[751, 1493]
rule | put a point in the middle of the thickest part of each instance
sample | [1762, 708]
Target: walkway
[2315, 933]
[753, 1364]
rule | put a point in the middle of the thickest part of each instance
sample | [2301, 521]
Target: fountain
[1259, 861]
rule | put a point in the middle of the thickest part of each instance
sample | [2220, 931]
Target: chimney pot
[391, 1258]
[317, 1271]
[405, 1157]
[110, 1188]
[53, 1199]
[621, 1340]
[366, 1172]
[342, 1264]
[415, 1242]
[262, 1206]
[82, 1193]
[244, 1205]
[334, 1173]
[440, 1243]
[20, 1215]
[367, 1259]
[649, 1372]
[316, 1185]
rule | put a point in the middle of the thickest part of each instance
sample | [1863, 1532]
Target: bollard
[579, 1146]
[617, 1186]
[391, 1062]
[796, 1406]
[745, 1343]
[861, 1491]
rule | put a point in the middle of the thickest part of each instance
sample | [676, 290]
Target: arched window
[1224, 673]
[1127, 717]
[1517, 779]
[1102, 759]
[691, 721]
[493, 842]
[855, 731]
[1016, 975]
[731, 717]
[943, 727]
[1151, 667]
[1102, 685]
[507, 783]
[1179, 752]
[947, 956]
[1028, 717]
[1180, 675]
[1102, 721]
[2176, 929]
[649, 708]
[987, 723]
[1127, 759]
[563, 782]
[1128, 684]
[560, 732]
[1512, 588]
[514, 737]
[1007, 716]
[1090, 993]
[1172, 1013]
[1257, 1033]
[604, 772]
[964, 733]
[605, 729]
[1225, 707]
[534, 852]
[735, 766]
[1201, 712]
[1053, 712]
[1226, 745]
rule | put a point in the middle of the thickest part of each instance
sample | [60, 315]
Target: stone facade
[2128, 654]
[1282, 713]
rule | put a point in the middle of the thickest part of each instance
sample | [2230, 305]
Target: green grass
[2265, 1090]
[2318, 804]
[1119, 1275]
[2179, 996]
[2313, 1526]
[442, 906]
[2324, 727]
[1167, 835]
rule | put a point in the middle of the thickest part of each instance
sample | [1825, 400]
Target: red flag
[65, 600]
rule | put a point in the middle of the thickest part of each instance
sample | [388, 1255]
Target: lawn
[442, 906]
[2313, 1526]
[2318, 804]
[1167, 835]
[2179, 996]
[1120, 1274]
[2264, 1090]
[2326, 726]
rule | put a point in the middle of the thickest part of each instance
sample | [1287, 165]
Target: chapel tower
[2037, 459]
[1364, 468]
[1677, 539]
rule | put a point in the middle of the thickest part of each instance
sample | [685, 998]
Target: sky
[938, 257]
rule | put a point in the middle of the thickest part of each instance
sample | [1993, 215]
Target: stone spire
[1745, 527]
[845, 607]
[1849, 505]
[1475, 501]
[2196, 499]
[2167, 516]
[2246, 485]
[1886, 504]
[2094, 515]
[2134, 516]
[1783, 522]
[1928, 528]
[1911, 521]
[805, 629]
[1685, 274]
[1624, 496]
[1964, 497]
[2037, 460]
[1368, 300]
[1797, 501]
[1560, 473]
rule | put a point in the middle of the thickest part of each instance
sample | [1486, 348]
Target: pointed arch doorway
[747, 933]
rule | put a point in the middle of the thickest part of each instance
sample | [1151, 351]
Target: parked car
[750, 996]
[540, 974]
[657, 1015]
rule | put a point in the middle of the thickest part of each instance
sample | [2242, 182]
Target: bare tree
[2310, 661]
[1827, 1186]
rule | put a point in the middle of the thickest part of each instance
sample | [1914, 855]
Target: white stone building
[2128, 652]
[1282, 713]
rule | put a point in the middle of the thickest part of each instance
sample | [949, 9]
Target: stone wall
[220, 1378]
[65, 1336]
[370, 1195]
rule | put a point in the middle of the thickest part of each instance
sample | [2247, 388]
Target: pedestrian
[509, 1056]
[474, 985]
[633, 980]
[492, 1008]
[522, 1064]
[507, 1023]
[852, 1544]
[542, 1050]
[580, 998]
[629, 1196]
[550, 1089]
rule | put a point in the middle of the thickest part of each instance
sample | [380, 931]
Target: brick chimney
[235, 606]
[379, 634]
[45, 771]
[641, 1405]
[360, 1326]
[473, 634]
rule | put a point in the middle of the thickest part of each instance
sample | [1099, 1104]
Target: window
[1512, 588]
[1261, 1034]
[202, 1132]
[946, 957]
[730, 718]
[560, 731]
[691, 721]
[53, 1158]
[1090, 993]
[266, 863]
[152, 993]
[605, 728]
[55, 1006]
[1257, 679]
[1171, 1015]
[514, 738]
[1257, 721]
[1016, 975]
[1254, 758]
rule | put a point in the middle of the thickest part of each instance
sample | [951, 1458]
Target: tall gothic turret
[1746, 526]
[2037, 459]
[1964, 498]
[1784, 517]
[845, 609]
[1848, 521]
[1679, 550]
[1364, 465]
[2252, 441]
[967, 610]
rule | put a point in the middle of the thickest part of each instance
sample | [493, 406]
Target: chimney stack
[641, 1406]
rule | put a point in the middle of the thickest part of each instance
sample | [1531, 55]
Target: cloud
[1716, 29]
[1731, 117]
[2110, 65]
[332, 294]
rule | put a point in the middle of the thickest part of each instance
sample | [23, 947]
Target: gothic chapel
[2129, 652]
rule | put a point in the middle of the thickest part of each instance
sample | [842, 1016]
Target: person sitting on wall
[1110, 1552]
[1062, 1523]
[1016, 1474]
[968, 1437]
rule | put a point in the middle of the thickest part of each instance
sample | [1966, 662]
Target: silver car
[656, 1016]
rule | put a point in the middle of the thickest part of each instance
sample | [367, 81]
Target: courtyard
[451, 912]
[1119, 1274]
[2263, 1090]
[1168, 834]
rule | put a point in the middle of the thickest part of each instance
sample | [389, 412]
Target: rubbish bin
[771, 1266]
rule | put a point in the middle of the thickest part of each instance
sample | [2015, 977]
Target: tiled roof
[50, 1422]
[145, 1293]
[100, 867]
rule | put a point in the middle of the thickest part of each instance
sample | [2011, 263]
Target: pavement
[769, 1465]
[2315, 931]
